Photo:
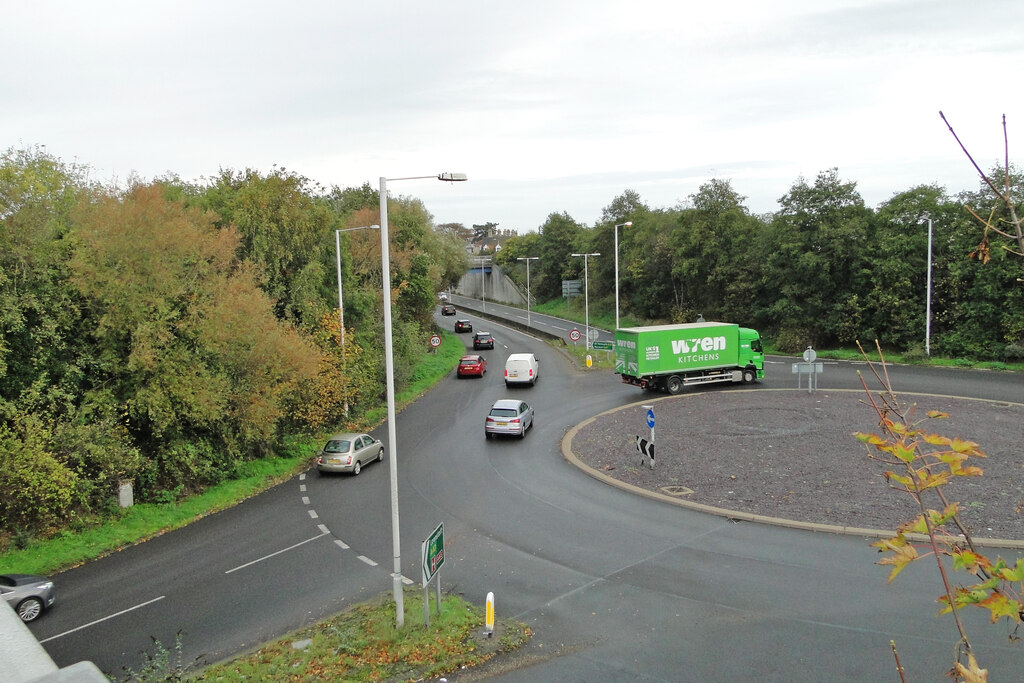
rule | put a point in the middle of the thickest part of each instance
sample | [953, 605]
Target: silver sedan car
[508, 416]
[348, 453]
[29, 595]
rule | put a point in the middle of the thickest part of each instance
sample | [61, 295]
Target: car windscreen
[503, 412]
[336, 446]
[468, 361]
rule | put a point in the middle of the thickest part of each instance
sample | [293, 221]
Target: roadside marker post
[489, 616]
[645, 447]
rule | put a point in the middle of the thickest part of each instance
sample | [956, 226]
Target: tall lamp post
[527, 259]
[341, 301]
[586, 292]
[627, 224]
[928, 298]
[389, 369]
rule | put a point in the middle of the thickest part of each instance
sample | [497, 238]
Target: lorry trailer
[670, 357]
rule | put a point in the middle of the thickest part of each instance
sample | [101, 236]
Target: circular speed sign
[435, 341]
[575, 334]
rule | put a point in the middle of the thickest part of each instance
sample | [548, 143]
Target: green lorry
[670, 357]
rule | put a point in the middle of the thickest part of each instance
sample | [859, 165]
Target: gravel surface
[791, 454]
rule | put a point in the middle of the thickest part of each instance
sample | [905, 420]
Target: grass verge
[362, 644]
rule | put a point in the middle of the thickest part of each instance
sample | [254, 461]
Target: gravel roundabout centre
[788, 456]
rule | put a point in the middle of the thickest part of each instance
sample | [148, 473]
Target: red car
[473, 365]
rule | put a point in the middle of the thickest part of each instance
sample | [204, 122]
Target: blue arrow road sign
[650, 418]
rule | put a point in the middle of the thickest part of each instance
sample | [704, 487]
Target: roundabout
[789, 458]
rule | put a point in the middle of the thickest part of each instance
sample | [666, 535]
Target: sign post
[432, 556]
[645, 447]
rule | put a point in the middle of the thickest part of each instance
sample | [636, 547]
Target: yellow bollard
[489, 616]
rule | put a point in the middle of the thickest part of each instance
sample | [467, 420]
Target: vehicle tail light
[319, 460]
[506, 372]
[531, 372]
[514, 420]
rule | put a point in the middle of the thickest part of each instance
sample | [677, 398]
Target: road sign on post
[432, 557]
[645, 447]
[574, 334]
[433, 554]
[435, 341]
[605, 345]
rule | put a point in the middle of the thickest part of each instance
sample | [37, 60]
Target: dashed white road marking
[322, 528]
[305, 500]
[367, 560]
[93, 623]
[302, 488]
[266, 557]
[312, 513]
[341, 544]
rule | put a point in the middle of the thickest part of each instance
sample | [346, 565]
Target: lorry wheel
[674, 385]
[749, 375]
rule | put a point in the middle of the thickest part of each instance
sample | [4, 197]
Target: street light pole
[928, 307]
[527, 259]
[389, 370]
[586, 292]
[627, 224]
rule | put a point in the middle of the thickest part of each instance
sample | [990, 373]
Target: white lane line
[302, 488]
[341, 544]
[267, 557]
[323, 529]
[407, 582]
[302, 477]
[367, 560]
[560, 328]
[312, 514]
[93, 623]
[305, 500]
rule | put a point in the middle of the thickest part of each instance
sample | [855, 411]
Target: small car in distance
[28, 594]
[463, 326]
[348, 452]
[447, 309]
[472, 365]
[508, 416]
[483, 340]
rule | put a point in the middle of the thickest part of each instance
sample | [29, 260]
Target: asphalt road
[616, 587]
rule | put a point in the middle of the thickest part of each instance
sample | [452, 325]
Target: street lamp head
[452, 177]
[627, 224]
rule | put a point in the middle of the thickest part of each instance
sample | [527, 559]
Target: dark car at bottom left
[28, 594]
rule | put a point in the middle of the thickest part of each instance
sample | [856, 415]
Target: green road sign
[606, 345]
[433, 554]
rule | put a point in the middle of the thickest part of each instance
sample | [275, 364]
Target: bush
[37, 489]
[793, 340]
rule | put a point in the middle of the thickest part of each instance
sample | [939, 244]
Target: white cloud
[549, 107]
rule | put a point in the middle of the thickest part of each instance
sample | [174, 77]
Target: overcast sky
[547, 106]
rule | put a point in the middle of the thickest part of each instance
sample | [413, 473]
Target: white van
[521, 368]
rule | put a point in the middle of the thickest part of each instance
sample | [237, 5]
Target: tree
[283, 228]
[815, 263]
[558, 239]
[1005, 221]
[922, 464]
[186, 344]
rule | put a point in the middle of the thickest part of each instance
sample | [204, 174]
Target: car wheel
[487, 435]
[356, 468]
[380, 455]
[29, 609]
